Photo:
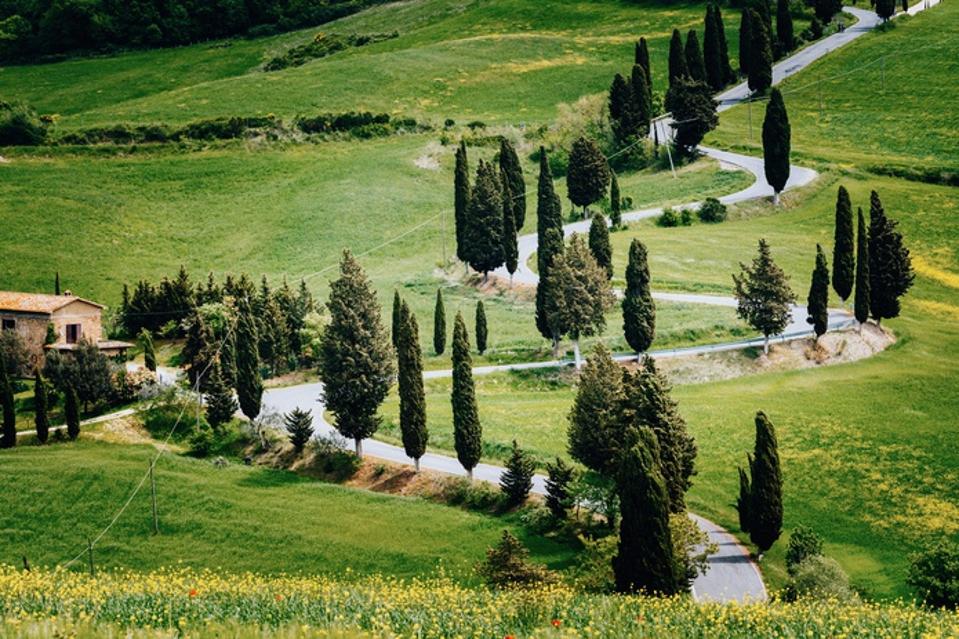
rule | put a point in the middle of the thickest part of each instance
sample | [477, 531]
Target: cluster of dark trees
[631, 100]
[30, 28]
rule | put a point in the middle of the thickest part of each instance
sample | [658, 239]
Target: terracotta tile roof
[37, 302]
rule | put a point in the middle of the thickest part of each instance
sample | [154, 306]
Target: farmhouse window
[9, 324]
[73, 333]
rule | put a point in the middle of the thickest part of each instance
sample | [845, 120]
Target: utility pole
[153, 493]
[669, 154]
[93, 570]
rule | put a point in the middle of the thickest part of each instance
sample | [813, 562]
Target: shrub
[506, 564]
[935, 575]
[20, 125]
[14, 353]
[473, 496]
[686, 217]
[803, 543]
[821, 578]
[332, 459]
[668, 219]
[692, 546]
[538, 520]
[712, 211]
[322, 45]
[172, 411]
[202, 441]
[593, 571]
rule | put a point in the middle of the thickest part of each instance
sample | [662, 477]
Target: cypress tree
[467, 431]
[411, 392]
[744, 499]
[843, 259]
[890, 267]
[615, 203]
[642, 59]
[694, 57]
[220, 404]
[510, 242]
[482, 331]
[761, 7]
[149, 352]
[677, 58]
[512, 176]
[71, 411]
[634, 122]
[712, 58]
[198, 349]
[484, 236]
[439, 324]
[249, 383]
[745, 41]
[861, 305]
[620, 95]
[694, 113]
[645, 560]
[596, 438]
[784, 28]
[599, 244]
[56, 283]
[817, 304]
[723, 46]
[299, 428]
[559, 476]
[552, 290]
[356, 364]
[41, 420]
[9, 439]
[639, 309]
[885, 9]
[549, 225]
[517, 480]
[761, 65]
[766, 488]
[461, 199]
[763, 294]
[395, 319]
[587, 177]
[776, 143]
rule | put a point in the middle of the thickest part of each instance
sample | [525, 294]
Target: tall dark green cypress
[71, 409]
[149, 351]
[776, 143]
[40, 417]
[599, 244]
[641, 103]
[745, 41]
[712, 58]
[744, 499]
[395, 319]
[439, 324]
[484, 228]
[694, 57]
[677, 58]
[723, 45]
[412, 396]
[512, 176]
[766, 487]
[645, 560]
[482, 330]
[890, 267]
[549, 217]
[467, 431]
[817, 303]
[619, 96]
[784, 28]
[56, 283]
[844, 246]
[639, 309]
[510, 242]
[461, 199]
[615, 203]
[587, 177]
[249, 383]
[761, 49]
[642, 59]
[861, 304]
[9, 439]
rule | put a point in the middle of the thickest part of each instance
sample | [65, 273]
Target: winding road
[732, 575]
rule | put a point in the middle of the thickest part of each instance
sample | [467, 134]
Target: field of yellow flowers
[187, 603]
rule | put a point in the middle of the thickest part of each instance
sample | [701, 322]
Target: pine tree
[249, 383]
[585, 290]
[694, 57]
[462, 195]
[40, 417]
[299, 428]
[395, 319]
[596, 438]
[510, 242]
[843, 258]
[890, 267]
[615, 203]
[411, 392]
[766, 489]
[198, 349]
[549, 225]
[517, 480]
[587, 177]
[484, 229]
[56, 283]
[745, 41]
[645, 560]
[71, 409]
[439, 324]
[677, 58]
[9, 439]
[642, 59]
[639, 309]
[149, 352]
[467, 431]
[599, 244]
[559, 476]
[765, 299]
[784, 28]
[712, 57]
[861, 305]
[512, 176]
[744, 499]
[356, 364]
[817, 304]
[761, 65]
[220, 404]
[482, 331]
[776, 143]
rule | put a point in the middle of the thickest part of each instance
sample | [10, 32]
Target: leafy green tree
[587, 177]
[764, 296]
[596, 438]
[40, 417]
[395, 319]
[549, 234]
[249, 383]
[512, 176]
[71, 409]
[220, 404]
[599, 244]
[149, 352]
[9, 439]
[744, 500]
[559, 476]
[934, 573]
[356, 364]
[766, 487]
[890, 267]
[299, 427]
[615, 203]
[803, 544]
[677, 58]
[484, 236]
[439, 324]
[861, 303]
[844, 246]
[776, 143]
[694, 113]
[761, 65]
[639, 309]
[785, 39]
[645, 561]
[745, 41]
[817, 303]
[694, 57]
[517, 480]
[467, 431]
[87, 369]
[462, 194]
[411, 392]
[482, 330]
[510, 242]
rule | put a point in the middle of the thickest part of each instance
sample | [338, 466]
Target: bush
[593, 571]
[668, 218]
[935, 575]
[538, 520]
[20, 125]
[332, 459]
[202, 441]
[692, 546]
[13, 350]
[821, 578]
[129, 386]
[172, 411]
[506, 564]
[472, 495]
[803, 544]
[686, 217]
[712, 211]
[323, 45]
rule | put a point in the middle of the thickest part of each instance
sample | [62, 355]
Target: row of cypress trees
[439, 323]
[41, 407]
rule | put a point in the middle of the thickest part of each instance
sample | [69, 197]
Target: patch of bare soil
[122, 430]
[492, 286]
[4, 160]
[430, 159]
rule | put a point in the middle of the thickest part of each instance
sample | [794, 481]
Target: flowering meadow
[187, 603]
